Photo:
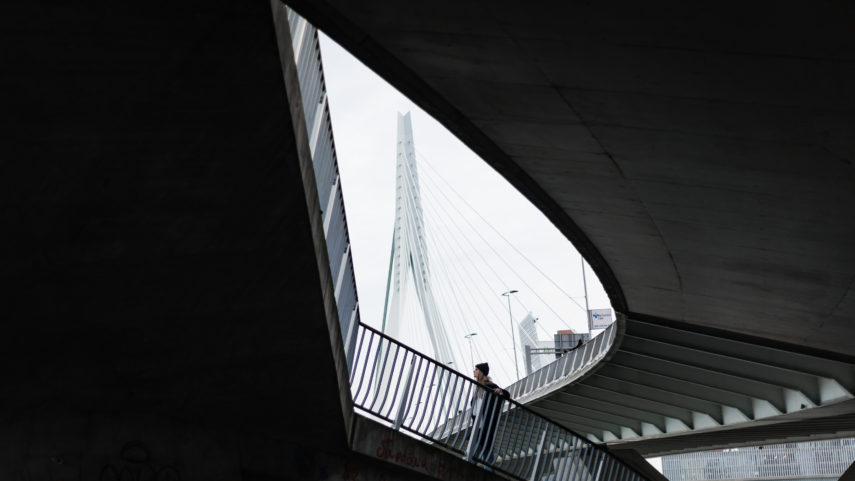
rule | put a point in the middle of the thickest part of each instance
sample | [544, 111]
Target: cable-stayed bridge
[449, 268]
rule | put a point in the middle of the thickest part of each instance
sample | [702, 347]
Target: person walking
[486, 411]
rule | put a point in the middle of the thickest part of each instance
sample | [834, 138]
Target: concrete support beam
[611, 408]
[849, 474]
[637, 462]
[739, 389]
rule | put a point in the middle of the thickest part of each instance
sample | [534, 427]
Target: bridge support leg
[405, 396]
[849, 474]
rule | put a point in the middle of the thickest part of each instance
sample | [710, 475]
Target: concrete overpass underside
[164, 257]
[699, 156]
[663, 389]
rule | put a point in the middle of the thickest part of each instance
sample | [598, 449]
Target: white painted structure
[409, 259]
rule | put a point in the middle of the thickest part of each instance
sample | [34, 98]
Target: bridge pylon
[409, 259]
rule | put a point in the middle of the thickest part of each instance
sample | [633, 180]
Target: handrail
[411, 392]
[564, 368]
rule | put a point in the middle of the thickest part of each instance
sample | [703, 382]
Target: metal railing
[316, 116]
[566, 366]
[417, 395]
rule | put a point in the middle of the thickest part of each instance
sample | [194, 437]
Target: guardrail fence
[417, 395]
[571, 362]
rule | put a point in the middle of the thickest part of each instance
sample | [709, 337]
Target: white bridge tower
[409, 258]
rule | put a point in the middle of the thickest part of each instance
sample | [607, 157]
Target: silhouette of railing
[415, 394]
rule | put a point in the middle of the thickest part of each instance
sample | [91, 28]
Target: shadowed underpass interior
[170, 303]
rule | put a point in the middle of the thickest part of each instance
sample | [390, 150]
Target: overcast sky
[364, 116]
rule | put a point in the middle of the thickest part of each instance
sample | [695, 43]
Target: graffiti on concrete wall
[437, 465]
[135, 464]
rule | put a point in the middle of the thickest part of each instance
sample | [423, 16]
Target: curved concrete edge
[784, 415]
[292, 85]
[585, 371]
[328, 18]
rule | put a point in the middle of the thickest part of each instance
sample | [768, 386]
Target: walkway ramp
[424, 399]
[663, 389]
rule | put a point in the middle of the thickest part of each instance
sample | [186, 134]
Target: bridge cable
[531, 289]
[436, 172]
[438, 232]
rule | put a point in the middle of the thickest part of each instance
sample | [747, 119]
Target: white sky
[364, 116]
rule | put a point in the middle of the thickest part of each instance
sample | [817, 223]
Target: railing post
[528, 369]
[602, 460]
[474, 432]
[350, 339]
[402, 405]
[537, 457]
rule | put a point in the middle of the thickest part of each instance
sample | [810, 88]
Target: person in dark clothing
[486, 409]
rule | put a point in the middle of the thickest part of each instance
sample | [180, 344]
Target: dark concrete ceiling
[699, 155]
[158, 255]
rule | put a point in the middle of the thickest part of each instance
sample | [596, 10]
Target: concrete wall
[56, 444]
[161, 260]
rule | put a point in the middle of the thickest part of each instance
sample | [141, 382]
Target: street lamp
[513, 336]
[470, 336]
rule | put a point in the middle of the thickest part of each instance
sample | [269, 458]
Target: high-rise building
[813, 461]
[529, 341]
[538, 353]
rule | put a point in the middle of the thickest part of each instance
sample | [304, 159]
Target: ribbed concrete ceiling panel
[701, 387]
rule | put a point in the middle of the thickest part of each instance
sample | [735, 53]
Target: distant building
[810, 461]
[538, 353]
[528, 331]
[530, 344]
[568, 339]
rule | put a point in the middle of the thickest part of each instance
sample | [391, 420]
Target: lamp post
[587, 309]
[470, 336]
[513, 336]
